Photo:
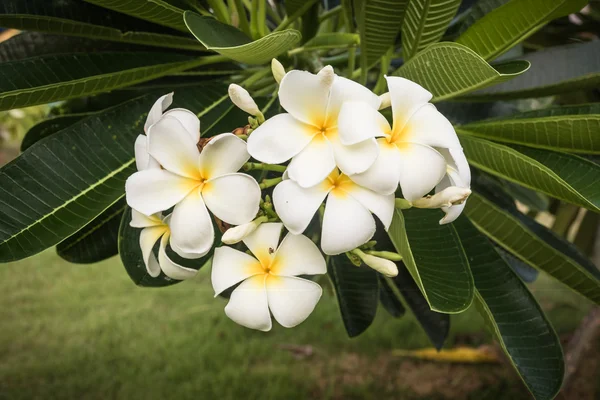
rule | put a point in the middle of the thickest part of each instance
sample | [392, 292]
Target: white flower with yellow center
[409, 150]
[347, 221]
[193, 181]
[308, 133]
[269, 279]
[155, 228]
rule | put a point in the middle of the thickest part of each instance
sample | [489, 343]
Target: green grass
[77, 331]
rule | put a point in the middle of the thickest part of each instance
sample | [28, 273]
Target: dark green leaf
[389, 299]
[564, 176]
[234, 44]
[478, 10]
[527, 273]
[332, 41]
[45, 79]
[449, 69]
[357, 291]
[48, 127]
[96, 241]
[433, 255]
[553, 71]
[519, 323]
[424, 23]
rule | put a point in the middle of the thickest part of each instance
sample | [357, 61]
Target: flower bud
[238, 233]
[381, 265]
[242, 99]
[450, 196]
[327, 75]
[386, 101]
[277, 70]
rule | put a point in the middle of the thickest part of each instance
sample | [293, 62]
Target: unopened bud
[386, 101]
[381, 265]
[277, 70]
[238, 233]
[327, 75]
[242, 99]
[450, 196]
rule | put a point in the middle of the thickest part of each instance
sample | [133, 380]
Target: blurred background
[86, 331]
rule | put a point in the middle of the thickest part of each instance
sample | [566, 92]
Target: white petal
[233, 198]
[381, 205]
[171, 145]
[382, 177]
[296, 205]
[143, 160]
[248, 305]
[139, 220]
[224, 154]
[358, 121]
[355, 158]
[421, 169]
[347, 224]
[298, 255]
[452, 213]
[191, 227]
[148, 238]
[407, 97]
[305, 96]
[428, 126]
[291, 300]
[344, 90]
[263, 242]
[188, 120]
[230, 266]
[455, 157]
[279, 138]
[157, 110]
[171, 269]
[313, 164]
[155, 190]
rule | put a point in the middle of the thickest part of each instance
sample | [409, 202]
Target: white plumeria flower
[347, 222]
[192, 181]
[269, 279]
[308, 133]
[155, 227]
[409, 149]
[458, 174]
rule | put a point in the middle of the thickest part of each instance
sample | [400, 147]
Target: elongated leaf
[440, 68]
[64, 181]
[533, 244]
[77, 18]
[518, 321]
[524, 271]
[434, 257]
[45, 79]
[569, 133]
[436, 325]
[513, 22]
[479, 10]
[332, 41]
[536, 201]
[157, 11]
[564, 176]
[357, 291]
[425, 23]
[234, 44]
[96, 241]
[573, 67]
[389, 300]
[48, 127]
[379, 22]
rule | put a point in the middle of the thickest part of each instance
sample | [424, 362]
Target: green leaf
[448, 70]
[389, 300]
[425, 23]
[48, 127]
[518, 321]
[46, 79]
[234, 44]
[574, 67]
[479, 10]
[292, 6]
[533, 243]
[64, 181]
[436, 325]
[332, 41]
[511, 23]
[96, 241]
[536, 201]
[569, 133]
[357, 291]
[433, 255]
[157, 11]
[564, 176]
[379, 22]
[77, 18]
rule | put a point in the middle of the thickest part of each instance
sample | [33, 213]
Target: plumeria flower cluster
[343, 167]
